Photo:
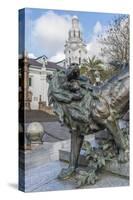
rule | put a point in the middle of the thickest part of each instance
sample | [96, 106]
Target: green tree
[94, 64]
[90, 66]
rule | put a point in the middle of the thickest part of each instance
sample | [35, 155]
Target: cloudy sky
[46, 31]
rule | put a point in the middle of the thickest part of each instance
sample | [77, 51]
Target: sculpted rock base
[113, 166]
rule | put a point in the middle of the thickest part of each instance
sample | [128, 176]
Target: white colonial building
[37, 70]
[36, 84]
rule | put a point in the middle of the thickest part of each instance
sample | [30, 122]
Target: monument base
[121, 169]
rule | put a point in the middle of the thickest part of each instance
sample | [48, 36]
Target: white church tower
[75, 49]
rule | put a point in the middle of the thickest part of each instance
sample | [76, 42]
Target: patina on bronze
[85, 108]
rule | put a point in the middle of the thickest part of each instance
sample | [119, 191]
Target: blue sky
[46, 30]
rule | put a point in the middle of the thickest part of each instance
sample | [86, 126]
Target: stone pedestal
[113, 166]
[35, 133]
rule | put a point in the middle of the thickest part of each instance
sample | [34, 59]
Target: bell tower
[75, 49]
[75, 32]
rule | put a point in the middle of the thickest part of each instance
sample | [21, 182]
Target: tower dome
[74, 17]
[75, 23]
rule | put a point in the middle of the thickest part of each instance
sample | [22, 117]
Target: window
[74, 33]
[79, 34]
[69, 61]
[79, 60]
[69, 34]
[30, 82]
[35, 98]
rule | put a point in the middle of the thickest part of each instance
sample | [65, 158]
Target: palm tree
[90, 66]
[94, 63]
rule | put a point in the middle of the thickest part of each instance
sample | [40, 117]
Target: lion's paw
[66, 173]
[123, 156]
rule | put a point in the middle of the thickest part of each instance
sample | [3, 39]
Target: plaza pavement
[42, 164]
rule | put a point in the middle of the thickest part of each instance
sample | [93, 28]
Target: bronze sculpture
[85, 108]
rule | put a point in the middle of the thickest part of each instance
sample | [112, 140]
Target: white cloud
[58, 57]
[94, 47]
[31, 55]
[51, 31]
[98, 28]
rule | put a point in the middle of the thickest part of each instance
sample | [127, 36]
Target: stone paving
[48, 181]
[42, 167]
[42, 164]
[57, 132]
[44, 178]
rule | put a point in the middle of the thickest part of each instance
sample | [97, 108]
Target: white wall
[39, 86]
[74, 54]
[35, 87]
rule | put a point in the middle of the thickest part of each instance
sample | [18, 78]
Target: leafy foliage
[95, 64]
[89, 68]
[96, 159]
[87, 177]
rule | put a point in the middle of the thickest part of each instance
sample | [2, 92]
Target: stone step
[42, 154]
[113, 166]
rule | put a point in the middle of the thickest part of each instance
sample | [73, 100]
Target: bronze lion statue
[85, 108]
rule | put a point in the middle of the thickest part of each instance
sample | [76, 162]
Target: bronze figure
[85, 108]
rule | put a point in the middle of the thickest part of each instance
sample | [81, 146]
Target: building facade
[36, 84]
[37, 70]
